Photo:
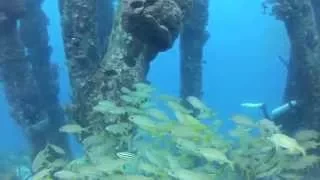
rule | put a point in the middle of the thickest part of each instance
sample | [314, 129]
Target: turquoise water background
[241, 64]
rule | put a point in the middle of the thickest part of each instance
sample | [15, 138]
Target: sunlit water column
[105, 15]
[193, 38]
[303, 83]
[34, 34]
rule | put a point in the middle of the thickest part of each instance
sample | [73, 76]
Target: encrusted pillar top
[156, 22]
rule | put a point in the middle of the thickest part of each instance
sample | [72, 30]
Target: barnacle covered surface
[303, 81]
[16, 73]
[191, 48]
[125, 62]
[46, 76]
[156, 22]
[12, 9]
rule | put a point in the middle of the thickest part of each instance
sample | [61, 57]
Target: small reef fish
[42, 175]
[133, 110]
[93, 140]
[142, 121]
[155, 157]
[268, 125]
[129, 177]
[290, 176]
[212, 154]
[106, 106]
[119, 128]
[187, 132]
[304, 162]
[65, 175]
[243, 120]
[126, 155]
[147, 124]
[148, 168]
[140, 95]
[72, 128]
[189, 120]
[240, 131]
[312, 144]
[58, 163]
[194, 122]
[184, 174]
[252, 105]
[111, 165]
[125, 90]
[143, 87]
[40, 126]
[195, 102]
[39, 160]
[186, 145]
[284, 141]
[159, 115]
[268, 173]
[57, 149]
[204, 111]
[176, 106]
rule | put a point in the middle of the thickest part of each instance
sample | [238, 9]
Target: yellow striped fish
[126, 155]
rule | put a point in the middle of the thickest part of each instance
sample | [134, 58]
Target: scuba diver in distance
[276, 112]
[279, 111]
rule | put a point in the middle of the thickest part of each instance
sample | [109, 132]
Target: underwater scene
[160, 90]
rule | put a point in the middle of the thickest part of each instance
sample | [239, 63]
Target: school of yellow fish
[173, 143]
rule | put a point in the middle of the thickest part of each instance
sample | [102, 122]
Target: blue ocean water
[241, 64]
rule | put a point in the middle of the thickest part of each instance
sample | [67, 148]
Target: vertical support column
[139, 32]
[79, 25]
[303, 83]
[19, 84]
[34, 34]
[193, 38]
